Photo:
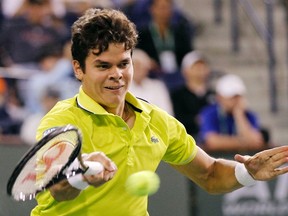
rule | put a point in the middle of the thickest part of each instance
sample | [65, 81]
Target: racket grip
[94, 168]
[77, 181]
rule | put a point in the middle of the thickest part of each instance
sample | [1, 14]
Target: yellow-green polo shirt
[155, 136]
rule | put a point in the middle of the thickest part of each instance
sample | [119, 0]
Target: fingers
[281, 150]
[266, 164]
[279, 153]
[276, 157]
[102, 158]
[108, 172]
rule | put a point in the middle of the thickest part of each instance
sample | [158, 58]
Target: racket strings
[46, 165]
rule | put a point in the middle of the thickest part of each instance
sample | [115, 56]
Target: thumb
[241, 158]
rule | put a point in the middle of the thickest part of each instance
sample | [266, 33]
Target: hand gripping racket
[55, 157]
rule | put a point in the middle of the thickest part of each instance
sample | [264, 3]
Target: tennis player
[127, 134]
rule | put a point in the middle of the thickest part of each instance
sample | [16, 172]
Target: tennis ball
[143, 183]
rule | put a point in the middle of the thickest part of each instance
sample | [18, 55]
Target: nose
[116, 74]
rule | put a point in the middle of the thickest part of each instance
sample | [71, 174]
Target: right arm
[63, 191]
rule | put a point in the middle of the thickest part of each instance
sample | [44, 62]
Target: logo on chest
[154, 139]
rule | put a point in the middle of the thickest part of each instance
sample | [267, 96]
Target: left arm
[218, 175]
[213, 175]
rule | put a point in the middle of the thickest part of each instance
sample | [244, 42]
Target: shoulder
[210, 109]
[156, 114]
[64, 106]
[63, 113]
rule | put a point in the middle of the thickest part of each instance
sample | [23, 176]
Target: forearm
[213, 175]
[63, 191]
[222, 179]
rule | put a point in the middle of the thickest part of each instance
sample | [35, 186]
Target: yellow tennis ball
[143, 183]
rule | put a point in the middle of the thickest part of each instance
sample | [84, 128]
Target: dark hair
[97, 28]
[38, 2]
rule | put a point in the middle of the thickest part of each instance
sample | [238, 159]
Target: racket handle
[93, 168]
[77, 181]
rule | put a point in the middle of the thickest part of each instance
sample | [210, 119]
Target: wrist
[78, 182]
[242, 175]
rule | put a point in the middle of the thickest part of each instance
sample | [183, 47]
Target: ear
[78, 72]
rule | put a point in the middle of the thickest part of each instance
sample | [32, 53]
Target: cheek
[129, 74]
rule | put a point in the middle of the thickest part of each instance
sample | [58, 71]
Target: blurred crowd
[36, 71]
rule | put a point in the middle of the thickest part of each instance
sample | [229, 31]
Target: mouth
[114, 87]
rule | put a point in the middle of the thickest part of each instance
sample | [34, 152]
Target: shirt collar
[87, 103]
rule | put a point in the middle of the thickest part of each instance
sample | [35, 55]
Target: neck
[128, 115]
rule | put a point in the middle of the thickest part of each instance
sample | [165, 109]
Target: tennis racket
[55, 157]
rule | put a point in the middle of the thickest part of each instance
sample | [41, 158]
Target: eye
[103, 66]
[124, 64]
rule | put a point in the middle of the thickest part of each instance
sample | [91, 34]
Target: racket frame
[34, 149]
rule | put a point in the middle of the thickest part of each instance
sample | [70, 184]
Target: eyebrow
[107, 62]
[126, 59]
[100, 61]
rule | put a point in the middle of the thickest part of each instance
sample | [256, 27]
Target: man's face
[199, 71]
[161, 10]
[107, 76]
[230, 103]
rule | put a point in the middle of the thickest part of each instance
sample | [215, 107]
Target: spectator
[152, 90]
[191, 97]
[11, 113]
[75, 8]
[228, 125]
[55, 67]
[30, 124]
[166, 42]
[28, 32]
[138, 11]
[195, 93]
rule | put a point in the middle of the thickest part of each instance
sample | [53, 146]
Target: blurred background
[247, 38]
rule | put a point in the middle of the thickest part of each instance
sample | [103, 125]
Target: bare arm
[213, 175]
[218, 175]
[63, 191]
